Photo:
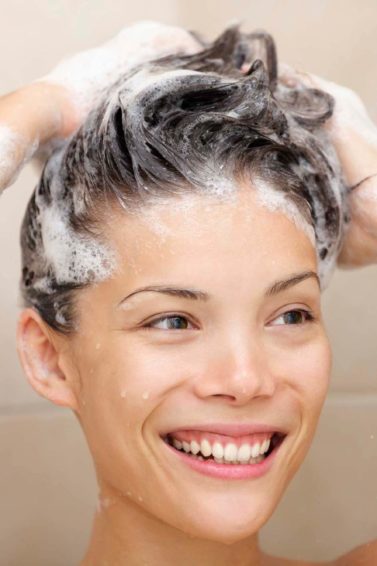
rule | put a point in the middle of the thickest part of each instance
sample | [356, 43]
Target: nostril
[223, 396]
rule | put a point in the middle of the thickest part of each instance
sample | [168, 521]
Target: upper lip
[227, 429]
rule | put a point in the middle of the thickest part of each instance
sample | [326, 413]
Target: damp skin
[193, 378]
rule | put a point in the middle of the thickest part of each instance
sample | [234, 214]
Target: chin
[229, 524]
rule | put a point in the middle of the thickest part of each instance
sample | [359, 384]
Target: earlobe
[39, 354]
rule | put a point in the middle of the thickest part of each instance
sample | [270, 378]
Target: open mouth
[247, 451]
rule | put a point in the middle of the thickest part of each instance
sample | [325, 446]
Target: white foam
[87, 73]
[277, 201]
[59, 317]
[74, 259]
[15, 152]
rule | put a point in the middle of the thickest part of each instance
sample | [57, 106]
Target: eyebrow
[292, 280]
[195, 294]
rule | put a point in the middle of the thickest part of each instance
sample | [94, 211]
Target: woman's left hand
[354, 136]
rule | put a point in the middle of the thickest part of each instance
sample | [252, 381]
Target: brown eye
[174, 322]
[293, 317]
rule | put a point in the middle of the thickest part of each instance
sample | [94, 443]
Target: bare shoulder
[364, 555]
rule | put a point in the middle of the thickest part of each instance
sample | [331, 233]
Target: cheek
[306, 370]
[311, 376]
[125, 382]
[148, 373]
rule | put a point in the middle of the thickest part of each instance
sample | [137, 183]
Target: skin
[236, 357]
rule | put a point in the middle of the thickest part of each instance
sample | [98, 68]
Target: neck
[124, 533]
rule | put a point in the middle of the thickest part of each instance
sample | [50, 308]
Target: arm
[29, 117]
[364, 555]
[51, 108]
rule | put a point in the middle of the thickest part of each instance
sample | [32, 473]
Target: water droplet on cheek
[123, 394]
[145, 395]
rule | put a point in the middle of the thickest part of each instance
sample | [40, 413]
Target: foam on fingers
[15, 152]
[89, 72]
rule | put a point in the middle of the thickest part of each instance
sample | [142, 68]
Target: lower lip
[227, 471]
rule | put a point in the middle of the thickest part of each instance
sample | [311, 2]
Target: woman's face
[241, 359]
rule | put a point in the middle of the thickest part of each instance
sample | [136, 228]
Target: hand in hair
[37, 118]
[354, 136]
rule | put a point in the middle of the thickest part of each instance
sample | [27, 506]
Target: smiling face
[238, 348]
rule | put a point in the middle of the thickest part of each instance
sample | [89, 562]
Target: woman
[195, 430]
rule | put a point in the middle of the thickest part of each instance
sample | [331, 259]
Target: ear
[41, 350]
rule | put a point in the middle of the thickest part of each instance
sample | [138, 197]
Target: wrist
[37, 112]
[63, 115]
[357, 154]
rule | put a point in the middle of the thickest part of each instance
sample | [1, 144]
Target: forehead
[181, 232]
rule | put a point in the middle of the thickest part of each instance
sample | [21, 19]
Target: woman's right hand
[36, 117]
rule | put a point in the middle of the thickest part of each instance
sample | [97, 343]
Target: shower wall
[47, 488]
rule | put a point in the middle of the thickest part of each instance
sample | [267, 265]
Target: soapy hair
[181, 124]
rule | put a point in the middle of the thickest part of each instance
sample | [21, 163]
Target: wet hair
[180, 124]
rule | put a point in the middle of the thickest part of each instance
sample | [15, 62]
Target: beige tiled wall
[47, 488]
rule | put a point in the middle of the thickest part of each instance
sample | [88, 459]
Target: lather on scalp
[191, 123]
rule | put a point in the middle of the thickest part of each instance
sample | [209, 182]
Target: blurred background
[47, 485]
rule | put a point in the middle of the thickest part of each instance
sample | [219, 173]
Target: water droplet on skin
[372, 436]
[145, 395]
[123, 394]
[103, 503]
[98, 345]
[140, 498]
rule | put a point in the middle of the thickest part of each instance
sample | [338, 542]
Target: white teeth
[177, 444]
[217, 450]
[195, 447]
[205, 448]
[255, 450]
[230, 452]
[244, 453]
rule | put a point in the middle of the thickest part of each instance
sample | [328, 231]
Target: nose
[238, 373]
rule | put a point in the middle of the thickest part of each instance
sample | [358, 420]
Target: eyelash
[308, 317]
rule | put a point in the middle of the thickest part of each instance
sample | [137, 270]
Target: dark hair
[167, 127]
